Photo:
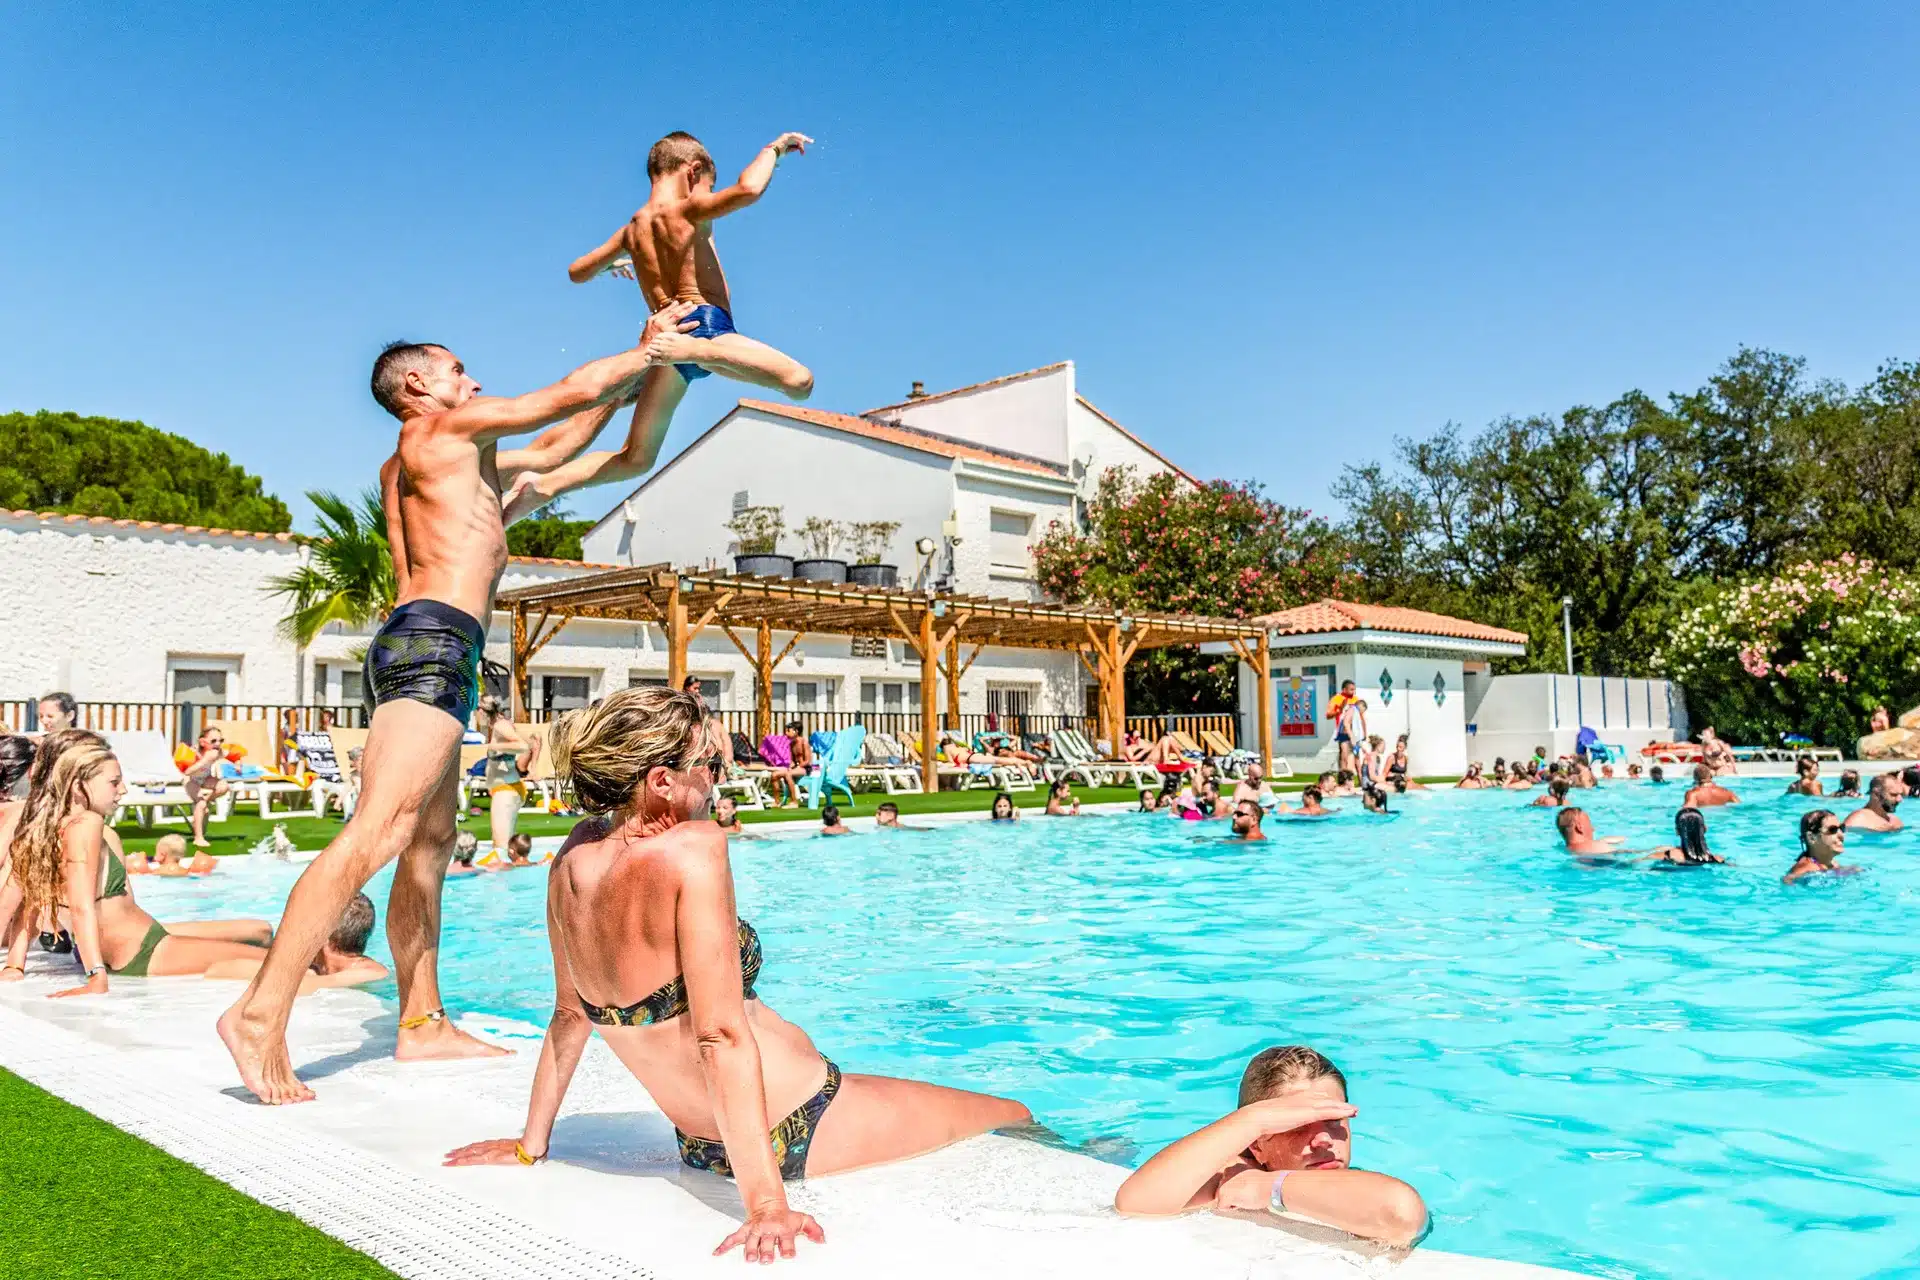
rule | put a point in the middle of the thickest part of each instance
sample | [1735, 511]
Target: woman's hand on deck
[94, 986]
[492, 1151]
[770, 1234]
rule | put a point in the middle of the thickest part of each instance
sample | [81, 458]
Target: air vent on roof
[919, 391]
[740, 501]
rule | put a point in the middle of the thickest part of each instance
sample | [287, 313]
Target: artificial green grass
[240, 832]
[81, 1200]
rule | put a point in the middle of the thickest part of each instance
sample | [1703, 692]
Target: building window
[709, 689]
[352, 687]
[1009, 700]
[889, 696]
[1007, 548]
[740, 501]
[564, 693]
[802, 695]
[869, 647]
[206, 681]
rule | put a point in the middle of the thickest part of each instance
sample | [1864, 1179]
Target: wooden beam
[676, 641]
[929, 692]
[1263, 684]
[1092, 670]
[707, 617]
[912, 636]
[522, 682]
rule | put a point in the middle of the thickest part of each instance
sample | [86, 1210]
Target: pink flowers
[1756, 663]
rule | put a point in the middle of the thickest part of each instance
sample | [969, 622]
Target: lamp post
[1566, 623]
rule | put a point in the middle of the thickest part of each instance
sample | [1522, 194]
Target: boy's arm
[704, 206]
[1187, 1174]
[1372, 1205]
[588, 265]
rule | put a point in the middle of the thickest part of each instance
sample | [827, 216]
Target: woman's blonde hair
[601, 752]
[65, 762]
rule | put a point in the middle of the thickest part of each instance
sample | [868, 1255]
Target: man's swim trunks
[427, 652]
[713, 321]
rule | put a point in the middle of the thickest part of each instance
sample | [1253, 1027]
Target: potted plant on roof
[870, 539]
[820, 534]
[757, 530]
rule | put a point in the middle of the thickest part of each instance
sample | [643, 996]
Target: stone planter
[874, 575]
[764, 565]
[820, 570]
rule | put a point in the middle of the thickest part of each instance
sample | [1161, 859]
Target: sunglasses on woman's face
[714, 763]
[1833, 829]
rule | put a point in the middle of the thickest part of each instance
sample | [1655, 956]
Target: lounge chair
[1137, 773]
[260, 738]
[153, 779]
[843, 755]
[886, 763]
[1233, 760]
[1799, 744]
[964, 779]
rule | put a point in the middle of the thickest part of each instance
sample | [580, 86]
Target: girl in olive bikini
[60, 843]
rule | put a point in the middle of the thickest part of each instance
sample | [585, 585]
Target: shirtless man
[667, 246]
[446, 490]
[1706, 791]
[1576, 828]
[1253, 787]
[1878, 813]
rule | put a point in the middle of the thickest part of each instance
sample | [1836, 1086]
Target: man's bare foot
[438, 1041]
[260, 1053]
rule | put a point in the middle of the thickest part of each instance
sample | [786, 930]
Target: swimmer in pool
[1003, 809]
[1556, 795]
[649, 950]
[1823, 838]
[1310, 803]
[343, 959]
[1878, 812]
[667, 248]
[1849, 788]
[1374, 799]
[830, 824]
[1286, 1149]
[1706, 791]
[1061, 802]
[1246, 821]
[1690, 829]
[1576, 829]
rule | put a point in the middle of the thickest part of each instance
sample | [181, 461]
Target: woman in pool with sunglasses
[648, 950]
[1822, 840]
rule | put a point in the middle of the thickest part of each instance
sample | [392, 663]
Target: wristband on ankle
[1274, 1202]
[408, 1024]
[520, 1154]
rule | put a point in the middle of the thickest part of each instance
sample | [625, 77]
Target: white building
[132, 611]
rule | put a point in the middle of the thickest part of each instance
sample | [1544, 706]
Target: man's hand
[791, 142]
[671, 318]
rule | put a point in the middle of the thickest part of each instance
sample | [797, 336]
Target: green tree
[548, 532]
[109, 467]
[348, 575]
[1159, 544]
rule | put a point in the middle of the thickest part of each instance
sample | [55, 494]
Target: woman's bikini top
[116, 878]
[670, 1001]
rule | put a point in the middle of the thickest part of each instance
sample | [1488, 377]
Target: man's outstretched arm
[609, 380]
[752, 183]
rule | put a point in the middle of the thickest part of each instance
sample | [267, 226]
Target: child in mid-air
[667, 246]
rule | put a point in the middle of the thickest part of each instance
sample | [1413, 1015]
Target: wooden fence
[180, 721]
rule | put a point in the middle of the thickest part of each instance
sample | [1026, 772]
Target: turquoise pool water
[1621, 1072]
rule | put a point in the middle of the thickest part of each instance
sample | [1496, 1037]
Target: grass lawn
[239, 833]
[80, 1200]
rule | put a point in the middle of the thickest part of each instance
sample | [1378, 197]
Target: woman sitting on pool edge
[641, 900]
[1285, 1149]
[61, 857]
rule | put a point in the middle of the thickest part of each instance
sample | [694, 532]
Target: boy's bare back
[673, 255]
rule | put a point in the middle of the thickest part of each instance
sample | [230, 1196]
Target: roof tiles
[1340, 615]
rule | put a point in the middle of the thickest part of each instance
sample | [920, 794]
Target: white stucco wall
[1540, 709]
[1028, 415]
[683, 509]
[97, 609]
[1092, 437]
[977, 496]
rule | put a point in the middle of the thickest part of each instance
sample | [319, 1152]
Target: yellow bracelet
[408, 1024]
[520, 1154]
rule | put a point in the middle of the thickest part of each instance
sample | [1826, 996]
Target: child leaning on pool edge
[1286, 1149]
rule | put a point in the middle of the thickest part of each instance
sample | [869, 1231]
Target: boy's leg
[660, 394]
[410, 749]
[738, 357]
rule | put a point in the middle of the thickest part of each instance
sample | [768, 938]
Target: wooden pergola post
[764, 660]
[1258, 655]
[522, 681]
[676, 638]
[929, 695]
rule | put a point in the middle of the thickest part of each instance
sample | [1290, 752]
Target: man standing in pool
[445, 491]
[667, 247]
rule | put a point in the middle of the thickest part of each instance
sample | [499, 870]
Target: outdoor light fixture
[685, 584]
[939, 608]
[1566, 622]
[924, 546]
[1126, 624]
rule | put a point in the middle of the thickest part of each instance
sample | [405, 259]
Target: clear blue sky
[1272, 236]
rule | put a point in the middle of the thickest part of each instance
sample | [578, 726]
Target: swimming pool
[1622, 1072]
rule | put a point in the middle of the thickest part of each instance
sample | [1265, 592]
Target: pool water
[1621, 1071]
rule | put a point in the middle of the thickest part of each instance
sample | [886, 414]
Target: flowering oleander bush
[1812, 649]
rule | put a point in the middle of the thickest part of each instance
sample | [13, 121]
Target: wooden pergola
[939, 628]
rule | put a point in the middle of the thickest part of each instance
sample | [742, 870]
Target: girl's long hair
[65, 762]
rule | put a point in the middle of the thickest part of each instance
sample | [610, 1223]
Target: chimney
[919, 391]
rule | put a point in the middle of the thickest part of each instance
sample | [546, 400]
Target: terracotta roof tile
[977, 386]
[108, 522]
[155, 526]
[906, 437]
[1339, 615]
